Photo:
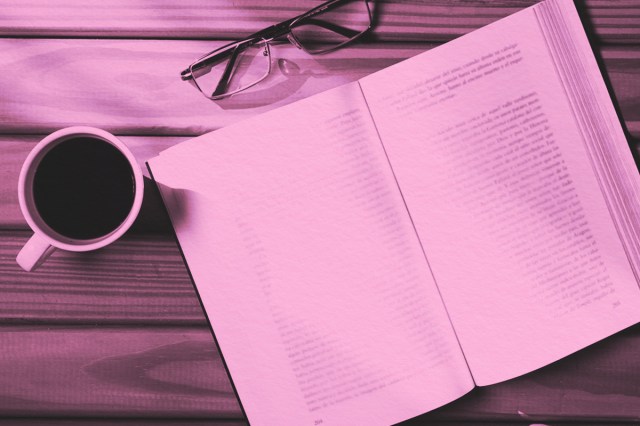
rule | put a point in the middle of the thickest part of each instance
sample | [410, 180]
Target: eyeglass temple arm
[344, 31]
[273, 31]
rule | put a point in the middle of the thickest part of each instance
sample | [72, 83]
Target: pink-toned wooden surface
[118, 334]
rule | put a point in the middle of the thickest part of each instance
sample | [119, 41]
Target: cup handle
[34, 253]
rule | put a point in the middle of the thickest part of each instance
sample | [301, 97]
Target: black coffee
[84, 188]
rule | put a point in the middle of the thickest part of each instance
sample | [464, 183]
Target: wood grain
[80, 371]
[398, 20]
[165, 372]
[133, 87]
[136, 421]
[87, 421]
[136, 280]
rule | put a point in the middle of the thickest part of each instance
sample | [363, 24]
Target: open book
[375, 251]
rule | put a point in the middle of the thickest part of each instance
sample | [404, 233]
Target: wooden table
[118, 333]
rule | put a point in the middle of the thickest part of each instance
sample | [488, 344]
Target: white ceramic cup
[45, 240]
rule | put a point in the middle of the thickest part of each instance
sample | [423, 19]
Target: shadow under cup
[81, 190]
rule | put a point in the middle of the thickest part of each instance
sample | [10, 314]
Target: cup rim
[46, 143]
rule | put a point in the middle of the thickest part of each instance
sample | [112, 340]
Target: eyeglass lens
[332, 27]
[235, 71]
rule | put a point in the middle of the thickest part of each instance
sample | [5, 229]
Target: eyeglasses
[242, 64]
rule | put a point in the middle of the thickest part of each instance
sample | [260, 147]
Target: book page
[308, 266]
[496, 178]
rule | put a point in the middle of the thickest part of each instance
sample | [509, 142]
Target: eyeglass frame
[267, 35]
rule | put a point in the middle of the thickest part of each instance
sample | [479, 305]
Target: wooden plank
[120, 422]
[176, 373]
[133, 87]
[152, 219]
[404, 20]
[87, 421]
[137, 421]
[136, 280]
[84, 371]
